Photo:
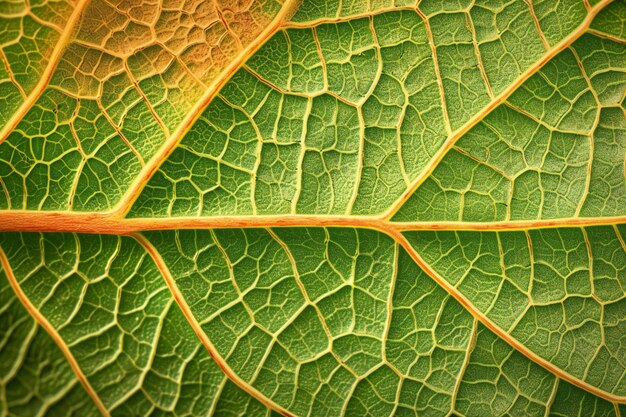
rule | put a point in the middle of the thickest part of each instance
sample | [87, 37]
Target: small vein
[531, 9]
[433, 50]
[359, 168]
[592, 130]
[307, 299]
[338, 19]
[299, 168]
[479, 58]
[227, 27]
[550, 401]
[607, 36]
[470, 348]
[17, 85]
[146, 100]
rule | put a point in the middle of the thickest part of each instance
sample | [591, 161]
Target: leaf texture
[313, 208]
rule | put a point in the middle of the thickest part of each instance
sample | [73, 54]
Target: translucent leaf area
[313, 208]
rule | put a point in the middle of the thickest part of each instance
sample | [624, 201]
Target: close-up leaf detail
[313, 208]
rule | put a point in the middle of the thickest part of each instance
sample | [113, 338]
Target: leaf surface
[313, 208]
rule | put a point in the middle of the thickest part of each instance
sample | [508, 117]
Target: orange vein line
[153, 164]
[453, 291]
[55, 57]
[227, 27]
[106, 223]
[457, 134]
[511, 225]
[180, 300]
[531, 9]
[17, 85]
[479, 58]
[141, 93]
[607, 36]
[45, 324]
[433, 51]
[119, 132]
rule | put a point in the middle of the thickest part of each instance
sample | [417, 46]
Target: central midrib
[112, 223]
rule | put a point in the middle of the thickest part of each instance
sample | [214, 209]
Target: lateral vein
[45, 324]
[46, 76]
[197, 328]
[499, 99]
[513, 342]
[174, 139]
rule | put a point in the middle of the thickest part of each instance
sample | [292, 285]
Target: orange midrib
[110, 223]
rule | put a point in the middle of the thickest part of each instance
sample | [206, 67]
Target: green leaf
[313, 208]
